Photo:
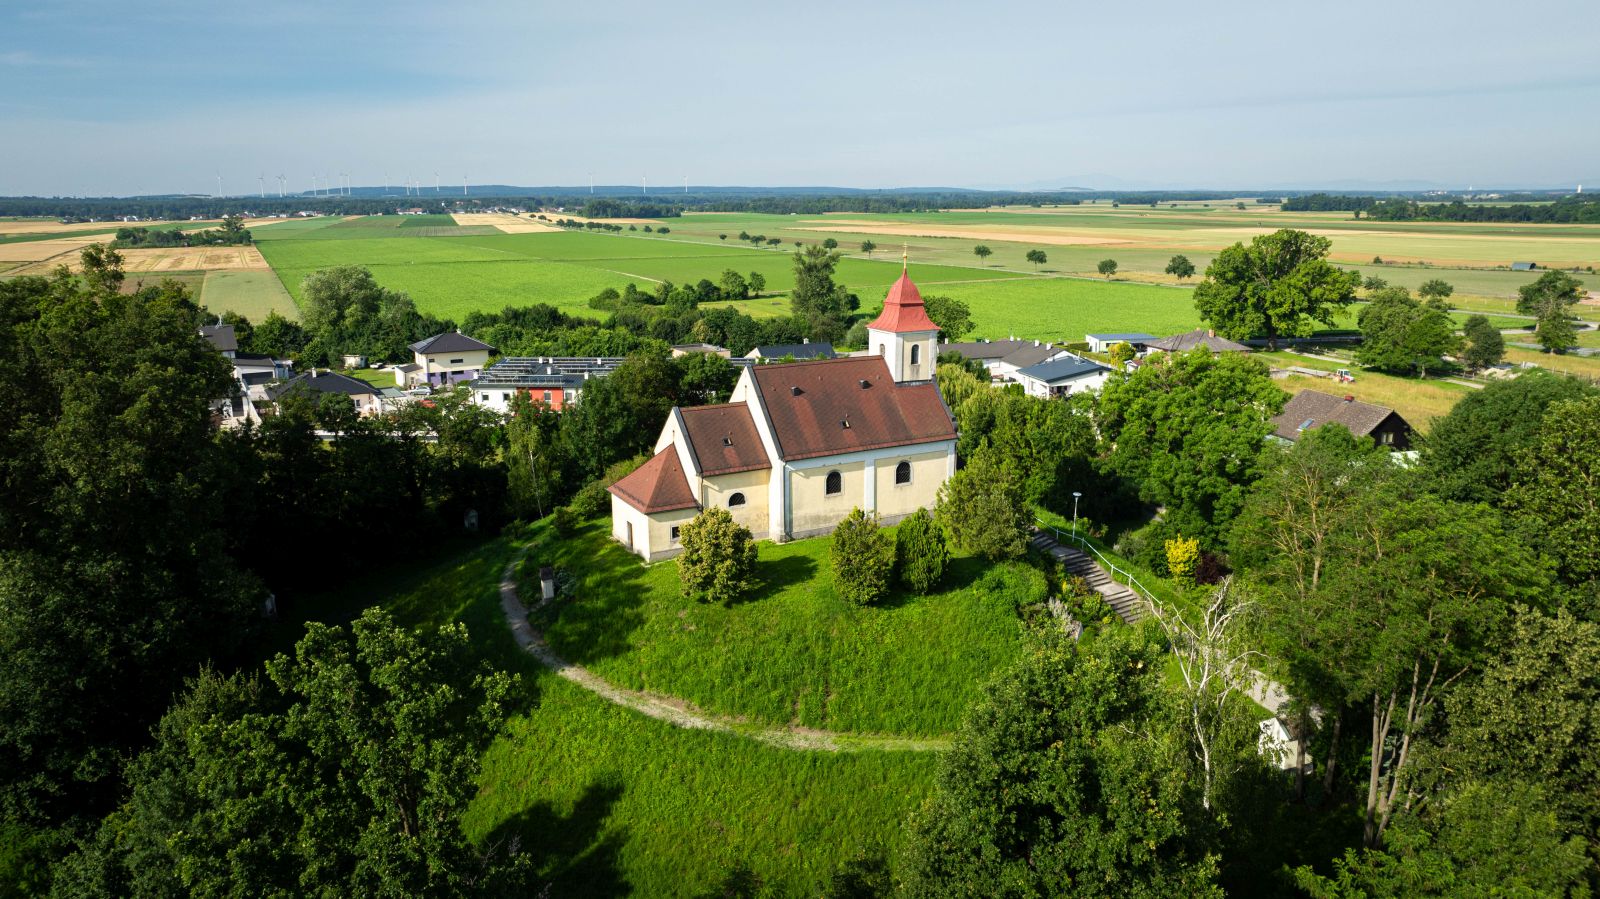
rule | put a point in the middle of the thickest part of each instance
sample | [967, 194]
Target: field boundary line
[675, 711]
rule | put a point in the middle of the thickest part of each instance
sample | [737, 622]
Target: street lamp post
[1075, 495]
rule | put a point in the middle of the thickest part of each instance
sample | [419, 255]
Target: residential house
[450, 358]
[364, 396]
[555, 381]
[1063, 377]
[1311, 409]
[797, 351]
[1199, 337]
[1102, 343]
[1004, 358]
[800, 445]
[221, 337]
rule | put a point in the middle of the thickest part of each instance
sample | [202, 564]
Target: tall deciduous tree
[985, 509]
[868, 246]
[1107, 267]
[533, 475]
[115, 576]
[1485, 346]
[347, 774]
[1275, 287]
[1473, 453]
[816, 298]
[1037, 257]
[953, 317]
[1071, 776]
[1399, 334]
[1180, 267]
[1435, 289]
[1188, 431]
[1288, 539]
[982, 252]
[1558, 484]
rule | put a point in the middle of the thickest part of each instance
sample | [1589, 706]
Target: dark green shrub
[920, 552]
[719, 557]
[863, 558]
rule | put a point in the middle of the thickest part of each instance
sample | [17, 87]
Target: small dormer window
[844, 423]
[727, 441]
[865, 383]
[795, 390]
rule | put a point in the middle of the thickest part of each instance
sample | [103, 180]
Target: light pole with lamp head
[1075, 495]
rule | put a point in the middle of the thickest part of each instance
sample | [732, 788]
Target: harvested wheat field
[193, 259]
[36, 257]
[505, 221]
[1048, 236]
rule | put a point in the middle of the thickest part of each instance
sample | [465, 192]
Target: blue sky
[104, 97]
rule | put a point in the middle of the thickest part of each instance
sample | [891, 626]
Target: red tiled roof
[724, 439]
[903, 310]
[810, 423]
[656, 486]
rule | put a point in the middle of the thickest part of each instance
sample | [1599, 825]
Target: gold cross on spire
[905, 257]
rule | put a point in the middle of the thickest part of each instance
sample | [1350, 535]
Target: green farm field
[252, 294]
[614, 803]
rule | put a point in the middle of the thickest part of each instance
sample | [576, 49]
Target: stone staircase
[1128, 605]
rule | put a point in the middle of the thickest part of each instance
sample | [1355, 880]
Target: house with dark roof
[1199, 337]
[1004, 358]
[450, 358]
[797, 351]
[221, 337]
[364, 396]
[1063, 377]
[1311, 409]
[799, 445]
[552, 381]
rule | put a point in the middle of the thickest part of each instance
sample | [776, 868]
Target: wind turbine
[686, 184]
[644, 185]
[463, 185]
[280, 186]
[219, 184]
[261, 182]
[435, 182]
[591, 183]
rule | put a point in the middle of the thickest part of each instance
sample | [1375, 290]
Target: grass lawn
[612, 802]
[792, 653]
[251, 294]
[377, 377]
[1582, 366]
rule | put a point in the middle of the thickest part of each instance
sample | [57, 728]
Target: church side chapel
[799, 445]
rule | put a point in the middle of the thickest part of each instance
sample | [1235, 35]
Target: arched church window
[916, 353]
[834, 485]
[736, 499]
[902, 473]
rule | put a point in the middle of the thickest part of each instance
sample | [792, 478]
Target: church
[799, 445]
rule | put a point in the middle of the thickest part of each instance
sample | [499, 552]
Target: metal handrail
[1103, 560]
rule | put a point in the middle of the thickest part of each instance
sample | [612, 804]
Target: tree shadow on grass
[778, 575]
[598, 616]
[574, 853]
